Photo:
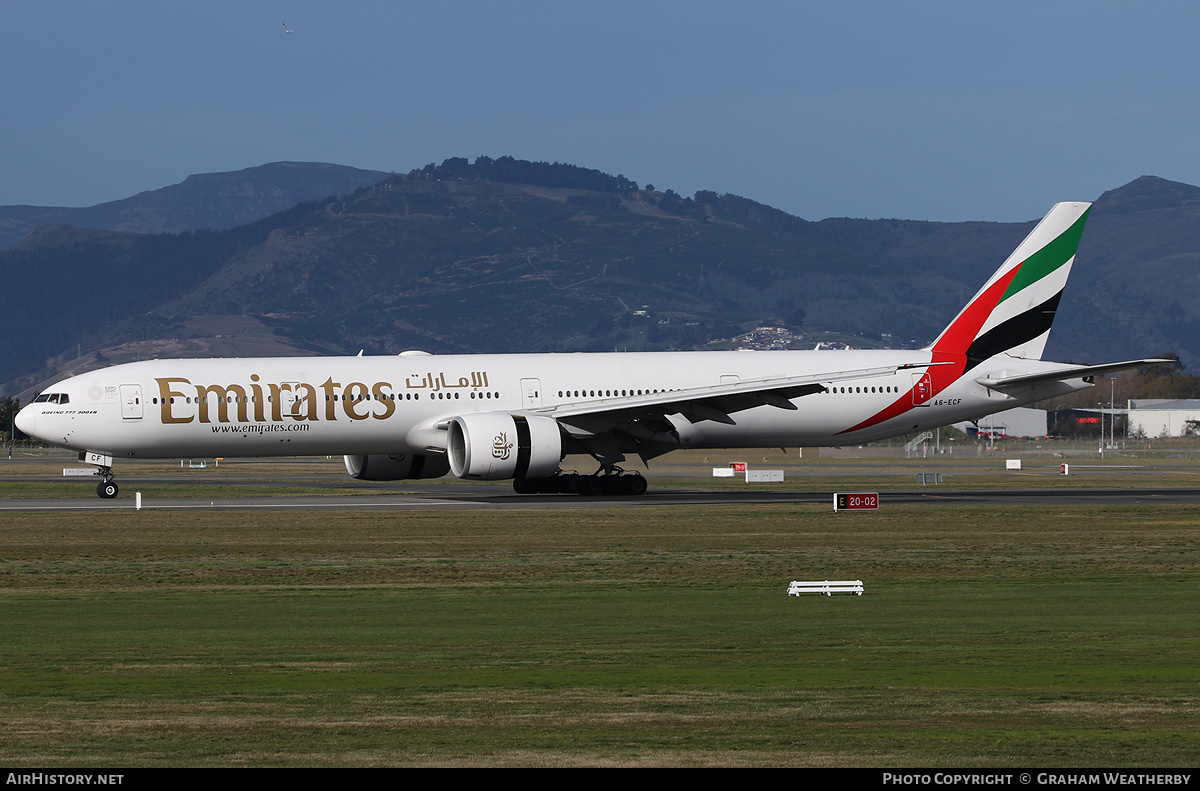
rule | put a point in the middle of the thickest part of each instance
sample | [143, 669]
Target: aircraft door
[922, 389]
[131, 402]
[531, 393]
[292, 398]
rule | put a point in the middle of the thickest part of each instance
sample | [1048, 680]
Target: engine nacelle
[397, 467]
[496, 445]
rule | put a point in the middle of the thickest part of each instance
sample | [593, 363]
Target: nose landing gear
[106, 488]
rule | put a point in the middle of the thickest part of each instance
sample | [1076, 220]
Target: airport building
[1164, 417]
[1077, 423]
[1019, 422]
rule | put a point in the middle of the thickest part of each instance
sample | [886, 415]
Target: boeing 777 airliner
[515, 416]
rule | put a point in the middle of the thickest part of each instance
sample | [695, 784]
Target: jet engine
[497, 445]
[397, 467]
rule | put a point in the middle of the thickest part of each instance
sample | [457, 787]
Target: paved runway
[479, 496]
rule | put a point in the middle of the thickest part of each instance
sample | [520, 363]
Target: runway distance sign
[856, 501]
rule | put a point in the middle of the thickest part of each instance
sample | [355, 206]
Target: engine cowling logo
[501, 447]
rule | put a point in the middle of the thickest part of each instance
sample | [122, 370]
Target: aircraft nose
[26, 421]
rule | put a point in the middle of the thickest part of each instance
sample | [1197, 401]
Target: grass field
[1170, 463]
[1024, 635]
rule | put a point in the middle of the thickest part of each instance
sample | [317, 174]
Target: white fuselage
[392, 405]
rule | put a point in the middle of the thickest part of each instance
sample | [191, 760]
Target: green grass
[874, 468]
[606, 636]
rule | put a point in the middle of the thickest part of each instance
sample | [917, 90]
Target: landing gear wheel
[107, 490]
[633, 485]
[615, 482]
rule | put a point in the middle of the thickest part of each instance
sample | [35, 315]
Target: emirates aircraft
[515, 416]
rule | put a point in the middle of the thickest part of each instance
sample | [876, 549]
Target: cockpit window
[53, 398]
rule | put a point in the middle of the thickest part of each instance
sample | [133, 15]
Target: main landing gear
[614, 482]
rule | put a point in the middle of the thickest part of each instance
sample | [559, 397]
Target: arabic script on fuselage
[429, 381]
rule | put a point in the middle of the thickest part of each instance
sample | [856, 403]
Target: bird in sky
[287, 29]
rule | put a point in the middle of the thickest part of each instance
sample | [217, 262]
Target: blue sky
[919, 110]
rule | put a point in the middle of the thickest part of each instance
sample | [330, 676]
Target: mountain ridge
[449, 260]
[214, 201]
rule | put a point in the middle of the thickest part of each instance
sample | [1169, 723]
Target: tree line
[521, 171]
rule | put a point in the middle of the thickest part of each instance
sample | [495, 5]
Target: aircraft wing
[713, 402]
[1068, 372]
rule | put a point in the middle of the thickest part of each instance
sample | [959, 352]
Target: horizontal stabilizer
[1068, 372]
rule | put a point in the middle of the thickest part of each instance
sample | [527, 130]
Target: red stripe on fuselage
[950, 347]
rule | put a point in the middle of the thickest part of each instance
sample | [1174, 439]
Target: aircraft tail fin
[1013, 311]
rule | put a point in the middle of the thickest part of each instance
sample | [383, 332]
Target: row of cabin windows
[359, 397]
[887, 389]
[606, 393]
[63, 398]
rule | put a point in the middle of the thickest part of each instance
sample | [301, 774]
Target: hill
[214, 201]
[506, 255]
[1137, 287]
